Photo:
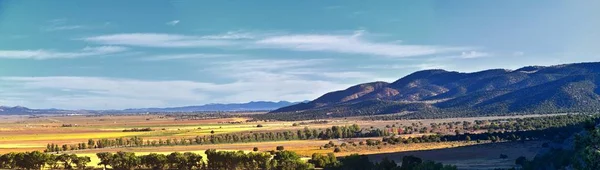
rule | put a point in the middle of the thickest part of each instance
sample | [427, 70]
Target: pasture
[24, 133]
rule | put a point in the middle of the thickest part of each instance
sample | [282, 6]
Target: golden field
[24, 133]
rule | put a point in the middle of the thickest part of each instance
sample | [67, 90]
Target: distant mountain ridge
[441, 93]
[250, 106]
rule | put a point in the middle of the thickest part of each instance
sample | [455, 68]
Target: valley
[69, 132]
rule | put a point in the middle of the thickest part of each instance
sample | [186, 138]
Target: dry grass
[21, 133]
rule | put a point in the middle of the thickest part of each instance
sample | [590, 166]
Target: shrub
[279, 148]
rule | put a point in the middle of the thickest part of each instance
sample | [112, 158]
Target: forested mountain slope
[441, 93]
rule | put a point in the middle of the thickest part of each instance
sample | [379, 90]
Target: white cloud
[422, 66]
[268, 65]
[473, 54]
[240, 81]
[51, 54]
[185, 56]
[64, 27]
[173, 23]
[157, 40]
[350, 44]
[231, 35]
[60, 25]
[347, 75]
[103, 93]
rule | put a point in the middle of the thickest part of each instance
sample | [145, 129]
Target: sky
[116, 54]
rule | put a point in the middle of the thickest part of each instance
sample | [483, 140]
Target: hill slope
[441, 93]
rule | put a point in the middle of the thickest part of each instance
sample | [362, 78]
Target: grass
[63, 136]
[18, 146]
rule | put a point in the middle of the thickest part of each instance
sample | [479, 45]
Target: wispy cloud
[348, 44]
[103, 93]
[422, 66]
[473, 54]
[64, 27]
[462, 55]
[231, 35]
[173, 23]
[185, 56]
[51, 54]
[157, 40]
[61, 25]
[270, 65]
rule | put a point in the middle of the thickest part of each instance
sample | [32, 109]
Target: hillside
[441, 93]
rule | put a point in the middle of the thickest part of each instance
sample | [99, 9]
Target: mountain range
[250, 106]
[440, 93]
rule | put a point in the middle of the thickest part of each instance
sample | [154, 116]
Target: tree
[177, 160]
[279, 148]
[410, 162]
[8, 160]
[91, 143]
[521, 161]
[31, 160]
[51, 161]
[386, 164]
[81, 161]
[326, 162]
[154, 161]
[337, 149]
[105, 158]
[588, 148]
[66, 159]
[124, 160]
[356, 161]
[287, 160]
[193, 160]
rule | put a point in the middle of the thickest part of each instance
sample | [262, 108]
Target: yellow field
[304, 148]
[83, 136]
[22, 133]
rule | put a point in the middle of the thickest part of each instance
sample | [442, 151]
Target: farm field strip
[304, 148]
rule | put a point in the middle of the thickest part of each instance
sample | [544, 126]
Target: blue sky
[147, 53]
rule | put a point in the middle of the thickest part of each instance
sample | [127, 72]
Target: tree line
[355, 161]
[38, 160]
[583, 156]
[552, 127]
[215, 160]
[553, 133]
[352, 131]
